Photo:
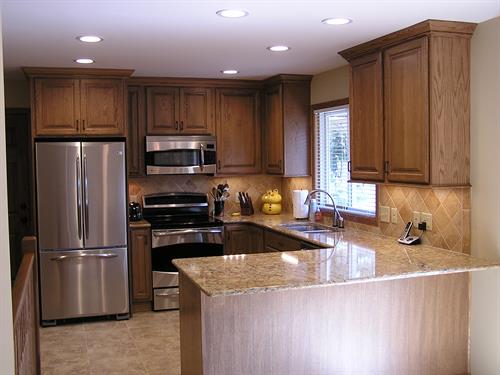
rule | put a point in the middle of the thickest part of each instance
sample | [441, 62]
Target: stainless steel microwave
[181, 154]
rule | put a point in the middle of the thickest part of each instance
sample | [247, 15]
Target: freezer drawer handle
[63, 257]
[166, 294]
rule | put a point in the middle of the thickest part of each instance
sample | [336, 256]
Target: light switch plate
[416, 218]
[394, 215]
[385, 214]
[427, 218]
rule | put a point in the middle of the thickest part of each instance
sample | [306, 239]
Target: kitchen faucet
[338, 221]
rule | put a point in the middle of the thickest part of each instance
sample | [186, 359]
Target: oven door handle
[202, 157]
[176, 232]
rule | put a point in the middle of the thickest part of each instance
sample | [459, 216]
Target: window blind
[331, 164]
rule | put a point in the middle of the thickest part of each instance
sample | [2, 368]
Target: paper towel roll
[300, 210]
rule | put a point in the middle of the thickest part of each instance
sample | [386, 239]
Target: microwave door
[175, 161]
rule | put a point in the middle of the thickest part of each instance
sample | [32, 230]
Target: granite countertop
[353, 256]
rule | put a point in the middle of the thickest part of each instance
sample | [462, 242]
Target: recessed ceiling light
[336, 21]
[278, 48]
[229, 71]
[84, 61]
[89, 38]
[232, 13]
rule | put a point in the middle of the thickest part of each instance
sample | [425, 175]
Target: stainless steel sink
[309, 228]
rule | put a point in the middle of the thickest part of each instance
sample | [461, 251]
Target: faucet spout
[338, 220]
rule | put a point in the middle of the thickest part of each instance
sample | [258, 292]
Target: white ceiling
[187, 39]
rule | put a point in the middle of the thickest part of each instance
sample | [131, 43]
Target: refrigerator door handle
[64, 257]
[79, 196]
[86, 196]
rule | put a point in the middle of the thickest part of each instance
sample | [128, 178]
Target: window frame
[328, 211]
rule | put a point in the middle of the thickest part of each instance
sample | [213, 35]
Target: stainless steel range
[181, 228]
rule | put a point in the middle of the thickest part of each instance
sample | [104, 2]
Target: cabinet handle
[176, 125]
[218, 164]
[279, 164]
[83, 124]
[349, 166]
[182, 125]
[386, 167]
[77, 128]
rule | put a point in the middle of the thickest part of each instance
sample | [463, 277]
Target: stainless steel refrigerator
[82, 229]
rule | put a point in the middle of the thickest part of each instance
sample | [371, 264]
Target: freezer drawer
[166, 299]
[83, 283]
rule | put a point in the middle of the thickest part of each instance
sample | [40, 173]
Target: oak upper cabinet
[367, 118]
[102, 106]
[174, 110]
[238, 131]
[140, 253]
[406, 106]
[136, 131]
[424, 101]
[57, 106]
[287, 125]
[78, 101]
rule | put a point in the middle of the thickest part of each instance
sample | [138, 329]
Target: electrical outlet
[394, 215]
[385, 214]
[427, 218]
[416, 218]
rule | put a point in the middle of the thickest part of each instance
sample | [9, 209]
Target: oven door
[184, 155]
[171, 244]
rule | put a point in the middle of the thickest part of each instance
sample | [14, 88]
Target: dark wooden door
[274, 130]
[57, 106]
[135, 136]
[102, 106]
[162, 110]
[366, 119]
[236, 239]
[406, 111]
[140, 252]
[256, 239]
[238, 131]
[17, 127]
[196, 111]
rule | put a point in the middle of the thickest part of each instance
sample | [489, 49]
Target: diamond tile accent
[452, 204]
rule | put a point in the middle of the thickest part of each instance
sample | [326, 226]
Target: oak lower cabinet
[424, 104]
[140, 255]
[179, 110]
[243, 239]
[286, 125]
[238, 131]
[69, 102]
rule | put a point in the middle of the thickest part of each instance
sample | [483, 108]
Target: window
[331, 134]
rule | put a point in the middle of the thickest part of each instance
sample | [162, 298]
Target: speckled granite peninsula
[364, 305]
[354, 256]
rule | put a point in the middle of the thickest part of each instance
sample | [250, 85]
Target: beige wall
[330, 85]
[17, 94]
[6, 340]
[485, 179]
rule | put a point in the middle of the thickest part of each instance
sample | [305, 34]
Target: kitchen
[252, 160]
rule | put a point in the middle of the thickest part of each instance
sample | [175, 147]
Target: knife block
[246, 208]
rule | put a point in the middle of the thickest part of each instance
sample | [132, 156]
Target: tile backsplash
[254, 185]
[450, 207]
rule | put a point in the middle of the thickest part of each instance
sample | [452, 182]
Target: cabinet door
[238, 131]
[57, 106]
[162, 110]
[135, 137]
[274, 130]
[236, 239]
[256, 239]
[140, 251]
[102, 106]
[406, 110]
[196, 110]
[366, 119]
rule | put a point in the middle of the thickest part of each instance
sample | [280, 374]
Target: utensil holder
[218, 208]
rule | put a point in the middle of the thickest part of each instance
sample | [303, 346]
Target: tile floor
[146, 344]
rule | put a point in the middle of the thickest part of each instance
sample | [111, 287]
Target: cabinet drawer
[281, 242]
